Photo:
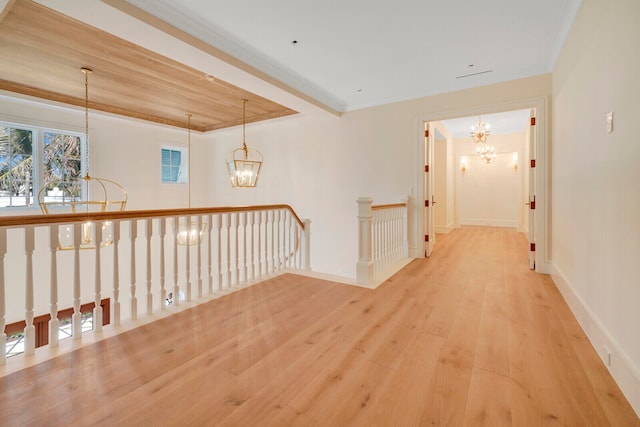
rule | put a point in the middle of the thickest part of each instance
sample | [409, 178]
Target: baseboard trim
[488, 222]
[377, 280]
[446, 229]
[622, 369]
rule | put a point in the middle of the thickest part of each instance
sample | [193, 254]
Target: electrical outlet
[607, 355]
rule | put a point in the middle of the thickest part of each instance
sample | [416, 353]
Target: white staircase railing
[150, 261]
[382, 240]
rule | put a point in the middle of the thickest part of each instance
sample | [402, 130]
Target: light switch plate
[610, 122]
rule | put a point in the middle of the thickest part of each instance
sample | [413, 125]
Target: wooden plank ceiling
[42, 53]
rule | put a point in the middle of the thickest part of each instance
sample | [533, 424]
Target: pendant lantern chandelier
[244, 165]
[69, 197]
[480, 132]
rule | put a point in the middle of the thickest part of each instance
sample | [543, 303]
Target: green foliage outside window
[61, 165]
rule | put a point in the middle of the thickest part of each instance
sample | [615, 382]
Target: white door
[532, 191]
[429, 199]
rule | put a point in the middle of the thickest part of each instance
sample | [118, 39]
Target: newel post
[364, 269]
[307, 244]
[408, 220]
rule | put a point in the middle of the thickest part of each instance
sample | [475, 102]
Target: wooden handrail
[391, 206]
[20, 220]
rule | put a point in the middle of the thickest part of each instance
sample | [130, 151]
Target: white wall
[491, 194]
[595, 175]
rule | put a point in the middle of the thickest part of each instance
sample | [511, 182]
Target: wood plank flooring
[468, 337]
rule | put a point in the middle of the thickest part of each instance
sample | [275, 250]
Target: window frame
[37, 154]
[183, 171]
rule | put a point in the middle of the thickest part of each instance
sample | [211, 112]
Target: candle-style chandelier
[480, 132]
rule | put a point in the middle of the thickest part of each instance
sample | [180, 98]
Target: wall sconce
[514, 163]
[463, 166]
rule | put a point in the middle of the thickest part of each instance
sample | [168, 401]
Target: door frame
[542, 179]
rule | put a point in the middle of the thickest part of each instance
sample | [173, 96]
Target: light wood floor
[469, 336]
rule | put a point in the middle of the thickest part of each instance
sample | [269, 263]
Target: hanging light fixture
[244, 165]
[54, 200]
[480, 132]
[487, 153]
[188, 233]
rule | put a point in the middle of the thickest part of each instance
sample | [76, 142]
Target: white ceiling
[499, 123]
[352, 54]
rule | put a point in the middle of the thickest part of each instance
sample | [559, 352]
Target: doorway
[510, 183]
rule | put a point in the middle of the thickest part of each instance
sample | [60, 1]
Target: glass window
[33, 158]
[173, 165]
[62, 163]
[16, 166]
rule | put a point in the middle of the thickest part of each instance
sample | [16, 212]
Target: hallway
[469, 336]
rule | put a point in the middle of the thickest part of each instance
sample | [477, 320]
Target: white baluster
[176, 286]
[243, 224]
[228, 271]
[97, 293]
[3, 303]
[199, 254]
[287, 228]
[76, 317]
[386, 240]
[279, 242]
[148, 231]
[393, 223]
[285, 239]
[260, 243]
[29, 330]
[382, 236]
[218, 218]
[378, 258]
[54, 324]
[252, 260]
[392, 236]
[377, 242]
[236, 264]
[187, 256]
[296, 243]
[273, 242]
[133, 234]
[209, 255]
[163, 292]
[378, 230]
[116, 274]
[307, 244]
